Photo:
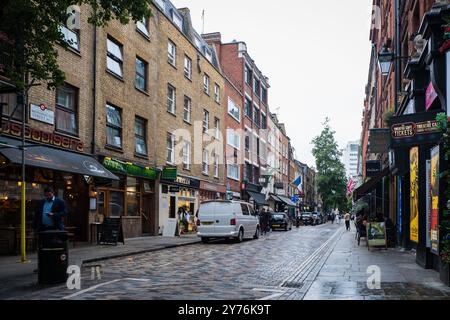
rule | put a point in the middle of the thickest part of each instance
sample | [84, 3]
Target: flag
[299, 183]
[351, 186]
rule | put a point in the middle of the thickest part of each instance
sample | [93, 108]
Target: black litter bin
[53, 257]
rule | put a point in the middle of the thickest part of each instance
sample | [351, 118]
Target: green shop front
[131, 198]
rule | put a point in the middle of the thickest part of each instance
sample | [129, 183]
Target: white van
[227, 219]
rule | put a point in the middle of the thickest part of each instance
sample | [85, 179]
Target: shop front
[70, 174]
[177, 197]
[130, 198]
[252, 193]
[212, 191]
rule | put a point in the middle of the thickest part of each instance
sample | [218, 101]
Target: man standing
[347, 221]
[49, 213]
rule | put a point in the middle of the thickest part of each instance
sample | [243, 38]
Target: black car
[280, 220]
[307, 218]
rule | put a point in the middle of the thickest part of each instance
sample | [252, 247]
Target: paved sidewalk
[15, 276]
[344, 275]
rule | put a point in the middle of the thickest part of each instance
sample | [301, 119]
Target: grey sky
[315, 53]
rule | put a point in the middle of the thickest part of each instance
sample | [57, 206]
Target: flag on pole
[351, 186]
[299, 183]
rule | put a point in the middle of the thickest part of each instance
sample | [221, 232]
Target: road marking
[90, 289]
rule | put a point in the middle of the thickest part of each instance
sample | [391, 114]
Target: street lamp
[385, 59]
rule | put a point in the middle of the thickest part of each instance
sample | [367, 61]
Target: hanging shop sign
[430, 96]
[434, 195]
[415, 129]
[31, 134]
[379, 140]
[373, 168]
[414, 196]
[169, 173]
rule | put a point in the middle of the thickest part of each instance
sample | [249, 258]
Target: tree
[30, 29]
[331, 180]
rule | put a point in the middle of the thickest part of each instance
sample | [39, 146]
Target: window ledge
[115, 75]
[142, 156]
[113, 148]
[187, 122]
[173, 65]
[172, 113]
[142, 91]
[147, 37]
[67, 134]
[190, 79]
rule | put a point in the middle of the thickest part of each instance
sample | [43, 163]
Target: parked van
[227, 219]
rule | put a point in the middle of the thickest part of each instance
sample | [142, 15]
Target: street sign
[379, 140]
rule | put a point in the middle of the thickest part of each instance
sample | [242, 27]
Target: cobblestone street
[308, 263]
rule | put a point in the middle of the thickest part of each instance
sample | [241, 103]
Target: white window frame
[231, 139]
[171, 101]
[205, 121]
[142, 26]
[216, 93]
[66, 32]
[231, 103]
[188, 67]
[187, 155]
[113, 57]
[216, 166]
[161, 4]
[177, 20]
[205, 162]
[170, 149]
[188, 110]
[234, 165]
[206, 83]
[172, 53]
[217, 128]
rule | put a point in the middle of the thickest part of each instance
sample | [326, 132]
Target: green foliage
[331, 180]
[30, 30]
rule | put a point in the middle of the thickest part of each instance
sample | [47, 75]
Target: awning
[259, 198]
[54, 159]
[275, 198]
[287, 201]
[370, 185]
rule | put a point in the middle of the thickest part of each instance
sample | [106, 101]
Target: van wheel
[257, 234]
[240, 236]
[205, 240]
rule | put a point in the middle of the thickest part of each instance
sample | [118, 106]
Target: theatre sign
[414, 129]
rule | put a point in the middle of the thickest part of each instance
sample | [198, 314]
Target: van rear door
[224, 212]
[206, 214]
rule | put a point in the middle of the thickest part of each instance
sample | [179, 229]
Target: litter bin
[53, 257]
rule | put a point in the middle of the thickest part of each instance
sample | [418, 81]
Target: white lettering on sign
[42, 114]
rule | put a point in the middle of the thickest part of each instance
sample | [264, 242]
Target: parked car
[280, 220]
[307, 218]
[227, 219]
[320, 219]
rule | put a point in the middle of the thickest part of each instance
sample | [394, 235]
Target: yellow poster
[414, 199]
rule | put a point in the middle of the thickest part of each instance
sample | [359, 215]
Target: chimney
[212, 38]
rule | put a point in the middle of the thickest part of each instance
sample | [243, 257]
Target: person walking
[347, 218]
[338, 219]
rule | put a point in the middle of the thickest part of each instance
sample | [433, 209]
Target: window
[256, 118]
[142, 26]
[114, 57]
[141, 74]
[171, 99]
[264, 94]
[257, 87]
[206, 84]
[217, 128]
[66, 109]
[113, 126]
[9, 102]
[245, 210]
[177, 20]
[263, 121]
[187, 110]
[71, 37]
[208, 54]
[205, 166]
[198, 43]
[233, 171]
[248, 108]
[161, 4]
[187, 155]
[172, 53]
[247, 140]
[140, 134]
[216, 93]
[216, 166]
[205, 121]
[234, 110]
[248, 74]
[233, 139]
[187, 67]
[133, 196]
[170, 148]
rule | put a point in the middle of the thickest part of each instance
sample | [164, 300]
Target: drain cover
[295, 285]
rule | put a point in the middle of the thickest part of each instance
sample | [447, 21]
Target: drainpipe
[398, 53]
[94, 93]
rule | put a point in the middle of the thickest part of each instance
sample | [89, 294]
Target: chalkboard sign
[376, 234]
[111, 232]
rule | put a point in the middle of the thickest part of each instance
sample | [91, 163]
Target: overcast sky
[315, 53]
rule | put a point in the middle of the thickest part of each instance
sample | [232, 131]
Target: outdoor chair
[361, 233]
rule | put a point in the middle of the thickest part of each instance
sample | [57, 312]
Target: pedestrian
[347, 221]
[339, 219]
[49, 213]
[188, 221]
[333, 217]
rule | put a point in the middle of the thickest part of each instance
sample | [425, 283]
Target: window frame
[76, 33]
[172, 56]
[171, 150]
[116, 59]
[144, 137]
[143, 31]
[234, 165]
[140, 75]
[217, 128]
[67, 110]
[217, 93]
[186, 98]
[172, 100]
[187, 166]
[216, 166]
[205, 123]
[205, 162]
[115, 127]
[206, 84]
[236, 106]
[188, 71]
